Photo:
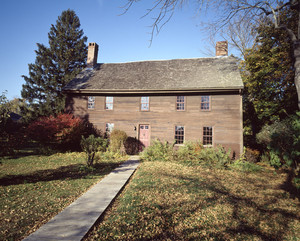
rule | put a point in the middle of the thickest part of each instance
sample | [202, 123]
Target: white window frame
[209, 135]
[180, 135]
[204, 102]
[180, 103]
[109, 103]
[91, 102]
[145, 103]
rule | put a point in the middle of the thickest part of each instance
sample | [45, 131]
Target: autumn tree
[55, 66]
[226, 11]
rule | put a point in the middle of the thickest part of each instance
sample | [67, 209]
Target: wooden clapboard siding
[225, 116]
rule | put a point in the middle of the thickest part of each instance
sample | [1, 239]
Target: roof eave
[151, 91]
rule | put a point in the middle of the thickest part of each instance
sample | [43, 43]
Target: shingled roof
[199, 74]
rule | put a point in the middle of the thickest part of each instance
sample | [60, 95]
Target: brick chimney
[222, 48]
[92, 55]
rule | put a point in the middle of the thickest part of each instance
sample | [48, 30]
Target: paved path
[76, 220]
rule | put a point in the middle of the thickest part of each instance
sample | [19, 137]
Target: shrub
[12, 139]
[242, 164]
[190, 151]
[215, 157]
[133, 146]
[274, 160]
[91, 145]
[282, 139]
[158, 151]
[245, 166]
[61, 132]
[251, 155]
[117, 141]
[110, 156]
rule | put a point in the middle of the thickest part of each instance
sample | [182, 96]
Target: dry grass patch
[171, 201]
[33, 189]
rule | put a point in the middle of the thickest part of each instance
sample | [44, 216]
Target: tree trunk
[297, 68]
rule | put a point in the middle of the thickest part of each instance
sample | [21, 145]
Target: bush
[133, 146]
[190, 151]
[282, 139]
[242, 164]
[91, 145]
[251, 155]
[61, 132]
[117, 141]
[215, 157]
[245, 166]
[158, 151]
[12, 139]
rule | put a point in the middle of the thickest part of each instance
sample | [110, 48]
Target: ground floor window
[207, 135]
[179, 134]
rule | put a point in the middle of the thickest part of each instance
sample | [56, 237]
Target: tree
[4, 111]
[55, 66]
[269, 93]
[225, 11]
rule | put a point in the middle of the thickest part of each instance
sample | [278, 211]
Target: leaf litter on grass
[35, 188]
[171, 201]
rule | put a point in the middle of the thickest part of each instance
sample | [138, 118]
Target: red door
[144, 136]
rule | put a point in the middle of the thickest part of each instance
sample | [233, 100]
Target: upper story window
[109, 103]
[207, 135]
[145, 103]
[179, 134]
[180, 103]
[109, 127]
[91, 102]
[205, 102]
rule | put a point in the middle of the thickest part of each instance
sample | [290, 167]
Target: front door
[144, 135]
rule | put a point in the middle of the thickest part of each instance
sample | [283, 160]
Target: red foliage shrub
[63, 131]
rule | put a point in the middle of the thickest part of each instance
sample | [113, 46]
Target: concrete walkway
[76, 220]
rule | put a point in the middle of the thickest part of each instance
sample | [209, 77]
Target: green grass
[172, 201]
[33, 189]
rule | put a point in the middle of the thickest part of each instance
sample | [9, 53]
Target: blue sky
[121, 38]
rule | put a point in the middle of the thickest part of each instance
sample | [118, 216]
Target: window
[179, 134]
[91, 102]
[144, 103]
[109, 127]
[109, 102]
[205, 102]
[207, 135]
[180, 103]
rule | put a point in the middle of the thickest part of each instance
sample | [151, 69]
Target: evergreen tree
[55, 66]
[270, 92]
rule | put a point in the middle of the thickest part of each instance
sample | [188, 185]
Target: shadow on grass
[207, 209]
[242, 222]
[288, 185]
[75, 171]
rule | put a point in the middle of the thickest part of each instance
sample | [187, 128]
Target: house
[178, 99]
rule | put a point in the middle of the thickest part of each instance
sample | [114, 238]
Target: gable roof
[199, 74]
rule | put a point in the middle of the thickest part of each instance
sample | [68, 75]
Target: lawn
[33, 189]
[173, 201]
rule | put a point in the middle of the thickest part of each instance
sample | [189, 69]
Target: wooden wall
[225, 117]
